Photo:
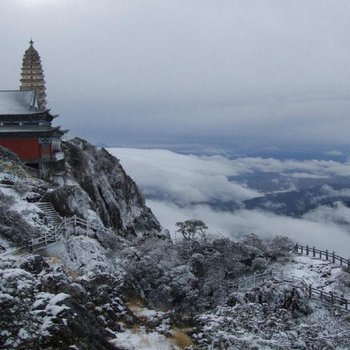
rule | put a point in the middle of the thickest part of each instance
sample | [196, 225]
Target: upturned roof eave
[29, 113]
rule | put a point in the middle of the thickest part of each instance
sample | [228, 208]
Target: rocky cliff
[96, 182]
[76, 297]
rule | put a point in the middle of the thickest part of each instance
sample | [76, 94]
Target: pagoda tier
[33, 75]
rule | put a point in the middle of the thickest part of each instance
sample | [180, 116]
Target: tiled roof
[27, 128]
[18, 103]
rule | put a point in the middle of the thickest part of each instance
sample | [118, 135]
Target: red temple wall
[26, 149]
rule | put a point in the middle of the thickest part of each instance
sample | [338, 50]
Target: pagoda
[33, 74]
[25, 122]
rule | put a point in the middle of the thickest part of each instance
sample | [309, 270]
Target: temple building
[25, 122]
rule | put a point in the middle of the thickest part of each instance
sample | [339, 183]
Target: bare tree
[190, 228]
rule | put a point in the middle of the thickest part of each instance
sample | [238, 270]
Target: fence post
[301, 249]
[45, 236]
[313, 251]
[307, 249]
[341, 261]
[349, 264]
[332, 304]
[326, 254]
[75, 225]
[333, 257]
[346, 304]
[310, 291]
[296, 248]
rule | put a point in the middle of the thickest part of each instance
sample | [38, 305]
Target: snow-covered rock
[131, 287]
[97, 181]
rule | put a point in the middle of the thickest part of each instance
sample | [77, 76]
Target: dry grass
[71, 273]
[162, 308]
[135, 303]
[180, 338]
[178, 335]
[135, 328]
[54, 260]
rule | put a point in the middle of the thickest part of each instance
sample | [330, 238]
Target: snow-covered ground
[321, 274]
[139, 339]
[224, 325]
[19, 204]
[249, 324]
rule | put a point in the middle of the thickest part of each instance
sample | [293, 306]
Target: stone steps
[50, 213]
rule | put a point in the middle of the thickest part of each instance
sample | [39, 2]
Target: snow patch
[141, 340]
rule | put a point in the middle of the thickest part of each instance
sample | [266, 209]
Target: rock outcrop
[96, 182]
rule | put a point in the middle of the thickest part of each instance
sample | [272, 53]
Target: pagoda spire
[33, 74]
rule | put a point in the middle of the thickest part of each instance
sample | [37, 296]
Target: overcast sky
[257, 73]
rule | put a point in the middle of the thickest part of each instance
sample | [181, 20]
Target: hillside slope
[131, 287]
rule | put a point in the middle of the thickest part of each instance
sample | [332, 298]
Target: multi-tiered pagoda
[33, 75]
[25, 122]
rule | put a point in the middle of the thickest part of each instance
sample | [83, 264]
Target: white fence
[310, 292]
[69, 226]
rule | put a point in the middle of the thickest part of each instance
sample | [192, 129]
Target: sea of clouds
[180, 187]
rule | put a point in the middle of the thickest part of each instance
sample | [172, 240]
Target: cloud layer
[189, 179]
[182, 179]
[179, 183]
[315, 229]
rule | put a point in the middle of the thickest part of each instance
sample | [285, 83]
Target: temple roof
[19, 102]
[28, 128]
[37, 130]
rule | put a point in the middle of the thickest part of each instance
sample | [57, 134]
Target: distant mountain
[297, 203]
[277, 182]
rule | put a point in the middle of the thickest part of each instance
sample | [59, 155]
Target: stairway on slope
[53, 221]
[50, 212]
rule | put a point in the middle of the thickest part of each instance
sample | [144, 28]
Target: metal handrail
[327, 298]
[329, 256]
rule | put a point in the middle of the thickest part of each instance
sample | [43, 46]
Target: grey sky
[258, 72]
